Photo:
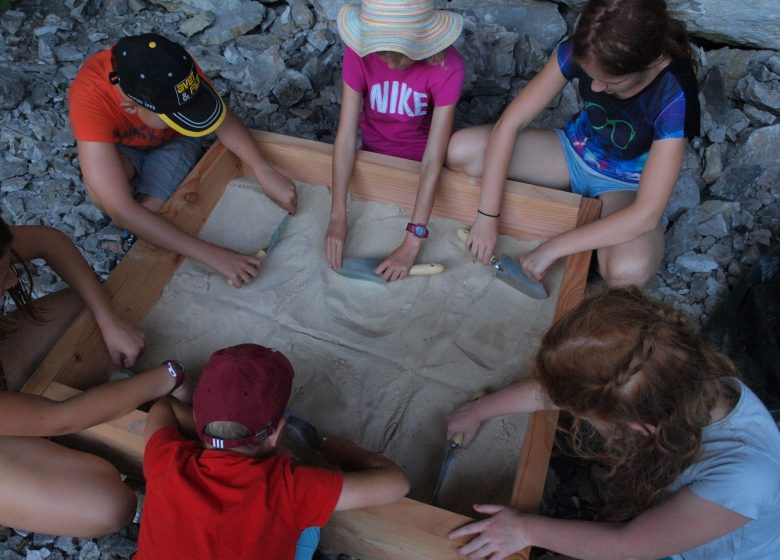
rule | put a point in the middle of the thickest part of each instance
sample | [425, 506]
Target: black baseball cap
[161, 76]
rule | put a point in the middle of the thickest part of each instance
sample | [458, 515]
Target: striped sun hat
[410, 27]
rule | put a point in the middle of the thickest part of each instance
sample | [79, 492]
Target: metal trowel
[262, 253]
[452, 445]
[509, 271]
[363, 269]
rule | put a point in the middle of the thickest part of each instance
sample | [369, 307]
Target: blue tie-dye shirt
[613, 136]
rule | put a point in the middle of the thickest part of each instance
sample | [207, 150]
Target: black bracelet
[488, 215]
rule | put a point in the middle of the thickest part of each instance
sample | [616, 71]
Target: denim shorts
[307, 543]
[159, 171]
[586, 181]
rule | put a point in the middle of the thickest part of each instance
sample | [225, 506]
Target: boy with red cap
[138, 111]
[232, 494]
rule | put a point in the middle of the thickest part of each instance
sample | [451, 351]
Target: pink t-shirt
[398, 104]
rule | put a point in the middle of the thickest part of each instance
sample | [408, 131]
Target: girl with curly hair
[691, 455]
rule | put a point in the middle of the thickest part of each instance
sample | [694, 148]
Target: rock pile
[277, 62]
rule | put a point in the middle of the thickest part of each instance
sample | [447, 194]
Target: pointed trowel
[509, 271]
[452, 445]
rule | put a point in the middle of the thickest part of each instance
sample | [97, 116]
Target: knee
[621, 270]
[113, 511]
[464, 155]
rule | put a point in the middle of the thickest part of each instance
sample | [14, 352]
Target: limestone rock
[12, 87]
[197, 23]
[233, 23]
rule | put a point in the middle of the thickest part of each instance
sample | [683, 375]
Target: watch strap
[175, 370]
[418, 230]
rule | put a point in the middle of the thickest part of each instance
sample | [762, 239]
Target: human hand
[397, 265]
[124, 340]
[335, 238]
[535, 263]
[465, 420]
[239, 269]
[498, 536]
[280, 189]
[482, 237]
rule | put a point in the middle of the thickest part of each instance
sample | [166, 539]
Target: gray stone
[765, 96]
[684, 196]
[758, 117]
[711, 208]
[734, 64]
[735, 181]
[530, 57]
[66, 544]
[89, 551]
[46, 44]
[42, 539]
[13, 184]
[195, 6]
[291, 88]
[321, 39]
[12, 21]
[68, 53]
[197, 23]
[683, 235]
[760, 236]
[301, 14]
[761, 147]
[716, 227]
[713, 163]
[540, 20]
[208, 58]
[234, 23]
[697, 263]
[38, 554]
[10, 169]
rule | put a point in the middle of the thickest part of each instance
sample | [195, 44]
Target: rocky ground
[277, 63]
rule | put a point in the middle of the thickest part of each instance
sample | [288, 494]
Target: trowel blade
[510, 272]
[445, 465]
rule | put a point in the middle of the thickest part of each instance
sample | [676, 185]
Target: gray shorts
[159, 171]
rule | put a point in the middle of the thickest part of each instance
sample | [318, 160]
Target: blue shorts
[307, 543]
[586, 181]
[159, 171]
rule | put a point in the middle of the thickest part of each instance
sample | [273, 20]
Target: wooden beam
[527, 212]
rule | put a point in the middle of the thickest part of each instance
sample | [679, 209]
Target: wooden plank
[405, 529]
[540, 434]
[527, 212]
[80, 359]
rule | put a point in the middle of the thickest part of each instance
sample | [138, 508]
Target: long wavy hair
[626, 36]
[619, 361]
[21, 294]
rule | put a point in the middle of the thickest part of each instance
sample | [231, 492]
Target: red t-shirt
[96, 114]
[215, 504]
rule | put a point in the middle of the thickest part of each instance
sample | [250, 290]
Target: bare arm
[519, 398]
[531, 101]
[370, 479]
[236, 138]
[655, 188]
[108, 186]
[32, 415]
[682, 522]
[397, 265]
[343, 164]
[124, 340]
[169, 412]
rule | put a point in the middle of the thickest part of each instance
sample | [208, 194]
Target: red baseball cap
[248, 384]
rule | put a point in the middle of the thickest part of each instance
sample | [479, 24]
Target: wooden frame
[405, 529]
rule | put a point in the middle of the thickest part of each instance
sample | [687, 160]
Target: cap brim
[417, 44]
[202, 116]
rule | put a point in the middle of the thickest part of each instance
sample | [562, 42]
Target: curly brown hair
[626, 36]
[620, 361]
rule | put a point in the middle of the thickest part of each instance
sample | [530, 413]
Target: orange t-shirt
[96, 114]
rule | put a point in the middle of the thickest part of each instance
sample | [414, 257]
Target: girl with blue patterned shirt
[625, 146]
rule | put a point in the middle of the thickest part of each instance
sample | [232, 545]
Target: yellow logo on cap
[188, 87]
[152, 44]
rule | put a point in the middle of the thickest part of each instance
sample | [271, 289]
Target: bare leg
[47, 488]
[26, 347]
[538, 156]
[635, 262]
[151, 202]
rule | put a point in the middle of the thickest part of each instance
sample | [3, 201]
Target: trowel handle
[428, 269]
[457, 439]
[463, 235]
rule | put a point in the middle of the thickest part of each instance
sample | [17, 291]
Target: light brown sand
[382, 364]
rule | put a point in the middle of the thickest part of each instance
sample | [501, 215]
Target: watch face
[419, 231]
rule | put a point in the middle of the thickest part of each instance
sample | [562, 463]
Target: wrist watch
[418, 230]
[176, 370]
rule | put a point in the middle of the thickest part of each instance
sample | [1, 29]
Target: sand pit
[380, 363]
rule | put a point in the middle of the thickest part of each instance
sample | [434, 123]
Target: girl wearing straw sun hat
[401, 82]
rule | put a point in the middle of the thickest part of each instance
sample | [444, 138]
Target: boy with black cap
[232, 494]
[138, 111]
